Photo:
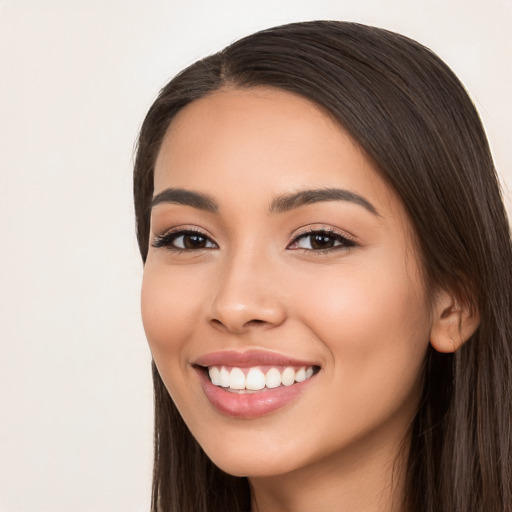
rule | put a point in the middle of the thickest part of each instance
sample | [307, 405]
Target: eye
[187, 240]
[321, 240]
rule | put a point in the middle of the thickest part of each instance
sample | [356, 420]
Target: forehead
[238, 122]
[264, 140]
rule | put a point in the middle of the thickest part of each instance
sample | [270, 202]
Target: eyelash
[344, 241]
[168, 239]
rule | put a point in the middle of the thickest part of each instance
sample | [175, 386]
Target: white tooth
[255, 379]
[288, 376]
[214, 373]
[300, 375]
[236, 379]
[224, 377]
[309, 372]
[273, 378]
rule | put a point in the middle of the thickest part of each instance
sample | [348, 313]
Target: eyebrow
[186, 198]
[288, 202]
[280, 204]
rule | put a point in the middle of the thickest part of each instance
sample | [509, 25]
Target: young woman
[327, 283]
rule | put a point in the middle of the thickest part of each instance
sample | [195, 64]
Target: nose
[246, 296]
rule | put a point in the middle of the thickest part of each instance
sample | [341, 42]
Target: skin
[360, 311]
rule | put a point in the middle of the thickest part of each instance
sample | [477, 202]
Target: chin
[253, 460]
[259, 467]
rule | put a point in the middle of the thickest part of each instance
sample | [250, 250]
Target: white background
[76, 78]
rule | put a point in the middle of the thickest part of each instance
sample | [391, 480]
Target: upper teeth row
[256, 379]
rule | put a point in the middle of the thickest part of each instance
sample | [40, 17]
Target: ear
[453, 323]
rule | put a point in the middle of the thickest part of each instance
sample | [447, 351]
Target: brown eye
[184, 241]
[321, 241]
[192, 241]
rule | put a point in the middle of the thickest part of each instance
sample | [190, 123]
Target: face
[282, 296]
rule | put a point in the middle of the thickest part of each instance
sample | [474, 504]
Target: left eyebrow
[294, 200]
[186, 198]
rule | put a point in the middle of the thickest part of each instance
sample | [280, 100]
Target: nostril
[255, 322]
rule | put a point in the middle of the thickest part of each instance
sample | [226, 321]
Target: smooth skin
[336, 282]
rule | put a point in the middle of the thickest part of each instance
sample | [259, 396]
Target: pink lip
[250, 405]
[249, 358]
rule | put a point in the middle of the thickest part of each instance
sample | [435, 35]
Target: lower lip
[251, 405]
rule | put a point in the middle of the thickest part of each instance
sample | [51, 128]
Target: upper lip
[249, 358]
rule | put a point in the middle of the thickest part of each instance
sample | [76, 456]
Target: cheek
[356, 301]
[169, 308]
[376, 327]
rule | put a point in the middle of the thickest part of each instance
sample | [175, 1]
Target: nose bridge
[246, 291]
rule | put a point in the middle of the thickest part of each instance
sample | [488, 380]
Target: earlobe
[453, 323]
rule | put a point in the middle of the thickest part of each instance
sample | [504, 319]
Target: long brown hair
[411, 114]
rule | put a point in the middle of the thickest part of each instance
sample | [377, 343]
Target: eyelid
[319, 228]
[159, 239]
[183, 228]
[342, 241]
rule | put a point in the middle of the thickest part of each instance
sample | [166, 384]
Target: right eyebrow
[288, 202]
[186, 198]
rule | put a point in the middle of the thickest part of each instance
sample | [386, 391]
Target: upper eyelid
[309, 230]
[176, 232]
[182, 229]
[347, 241]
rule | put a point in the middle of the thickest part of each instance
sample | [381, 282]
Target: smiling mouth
[247, 380]
[253, 383]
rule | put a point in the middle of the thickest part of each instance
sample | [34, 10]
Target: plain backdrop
[76, 78]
